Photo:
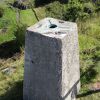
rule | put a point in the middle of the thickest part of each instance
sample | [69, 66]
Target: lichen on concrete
[51, 61]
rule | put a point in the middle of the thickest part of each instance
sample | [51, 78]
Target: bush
[20, 34]
[1, 12]
[97, 6]
[73, 11]
[97, 2]
[55, 10]
[89, 8]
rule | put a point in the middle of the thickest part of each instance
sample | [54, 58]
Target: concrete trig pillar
[51, 61]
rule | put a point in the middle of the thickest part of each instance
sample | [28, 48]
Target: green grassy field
[9, 19]
[89, 41]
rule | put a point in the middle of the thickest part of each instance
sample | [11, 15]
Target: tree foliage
[19, 32]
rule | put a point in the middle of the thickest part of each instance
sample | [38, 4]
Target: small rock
[8, 71]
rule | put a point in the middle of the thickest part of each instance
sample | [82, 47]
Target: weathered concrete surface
[51, 61]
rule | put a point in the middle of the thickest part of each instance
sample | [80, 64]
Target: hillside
[13, 23]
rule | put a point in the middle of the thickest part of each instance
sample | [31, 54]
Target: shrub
[1, 12]
[89, 8]
[19, 33]
[83, 16]
[73, 11]
[55, 10]
[97, 6]
[98, 9]
[97, 2]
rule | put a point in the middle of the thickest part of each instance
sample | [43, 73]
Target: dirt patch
[95, 86]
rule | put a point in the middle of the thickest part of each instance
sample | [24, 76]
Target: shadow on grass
[88, 75]
[91, 72]
[8, 49]
[87, 93]
[14, 93]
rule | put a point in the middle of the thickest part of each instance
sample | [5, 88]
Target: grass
[8, 21]
[95, 96]
[11, 85]
[6, 38]
[27, 17]
[89, 41]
